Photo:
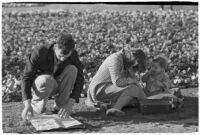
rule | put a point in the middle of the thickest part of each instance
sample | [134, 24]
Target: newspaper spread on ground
[44, 122]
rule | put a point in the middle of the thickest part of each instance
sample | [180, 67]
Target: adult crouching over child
[52, 70]
[116, 81]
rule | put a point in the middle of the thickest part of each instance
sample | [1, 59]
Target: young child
[156, 79]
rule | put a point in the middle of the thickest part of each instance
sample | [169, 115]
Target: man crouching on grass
[52, 70]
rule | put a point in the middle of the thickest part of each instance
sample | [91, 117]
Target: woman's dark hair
[65, 42]
[138, 55]
[162, 61]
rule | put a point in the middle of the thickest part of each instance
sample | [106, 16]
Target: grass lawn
[184, 120]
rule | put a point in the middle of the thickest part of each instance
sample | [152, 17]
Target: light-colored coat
[110, 81]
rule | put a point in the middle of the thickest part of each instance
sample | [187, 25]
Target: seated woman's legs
[125, 99]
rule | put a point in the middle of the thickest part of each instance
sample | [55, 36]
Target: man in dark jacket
[52, 70]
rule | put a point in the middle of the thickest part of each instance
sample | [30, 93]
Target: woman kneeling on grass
[116, 82]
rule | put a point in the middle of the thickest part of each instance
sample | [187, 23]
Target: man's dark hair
[65, 42]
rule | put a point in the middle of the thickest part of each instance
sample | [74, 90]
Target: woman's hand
[133, 81]
[131, 73]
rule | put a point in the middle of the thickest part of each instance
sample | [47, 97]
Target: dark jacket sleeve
[29, 74]
[78, 87]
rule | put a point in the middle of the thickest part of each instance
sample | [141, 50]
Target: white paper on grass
[161, 95]
[49, 122]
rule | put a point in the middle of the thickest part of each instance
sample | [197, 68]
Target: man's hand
[65, 111]
[28, 108]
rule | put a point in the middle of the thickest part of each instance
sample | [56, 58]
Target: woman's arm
[117, 73]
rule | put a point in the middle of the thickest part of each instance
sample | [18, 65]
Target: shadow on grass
[95, 120]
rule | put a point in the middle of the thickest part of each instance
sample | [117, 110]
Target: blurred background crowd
[97, 35]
